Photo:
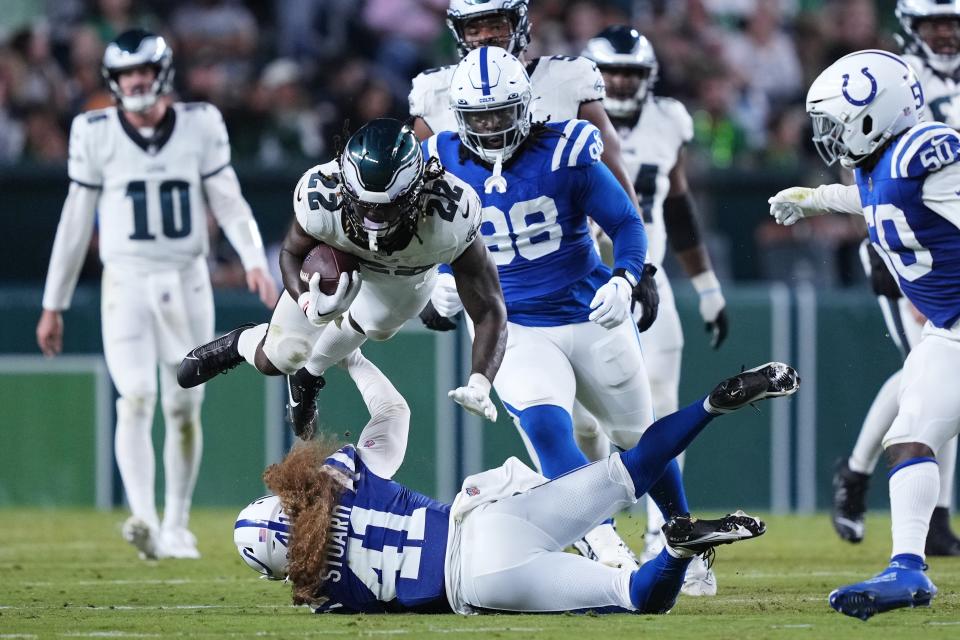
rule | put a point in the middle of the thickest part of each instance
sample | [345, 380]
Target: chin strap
[496, 182]
[372, 240]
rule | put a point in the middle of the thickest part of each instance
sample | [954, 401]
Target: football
[329, 262]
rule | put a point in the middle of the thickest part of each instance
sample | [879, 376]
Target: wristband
[705, 282]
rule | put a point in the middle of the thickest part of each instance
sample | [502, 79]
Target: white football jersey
[151, 207]
[449, 223]
[560, 85]
[942, 93]
[649, 150]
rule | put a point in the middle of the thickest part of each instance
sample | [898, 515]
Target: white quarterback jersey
[649, 150]
[449, 223]
[942, 93]
[151, 208]
[560, 85]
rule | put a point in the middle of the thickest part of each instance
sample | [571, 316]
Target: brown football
[329, 262]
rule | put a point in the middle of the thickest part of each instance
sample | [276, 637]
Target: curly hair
[308, 491]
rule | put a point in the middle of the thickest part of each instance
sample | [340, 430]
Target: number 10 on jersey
[176, 221]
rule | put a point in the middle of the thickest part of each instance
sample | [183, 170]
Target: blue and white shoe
[902, 584]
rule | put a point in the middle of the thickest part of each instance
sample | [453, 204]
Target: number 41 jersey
[912, 208]
[151, 208]
[387, 545]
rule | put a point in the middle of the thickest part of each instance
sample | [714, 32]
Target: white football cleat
[142, 536]
[179, 543]
[605, 545]
[700, 579]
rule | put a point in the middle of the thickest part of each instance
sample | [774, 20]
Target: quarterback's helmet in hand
[933, 29]
[621, 49]
[382, 169]
[490, 95]
[137, 48]
[461, 12]
[262, 535]
[861, 101]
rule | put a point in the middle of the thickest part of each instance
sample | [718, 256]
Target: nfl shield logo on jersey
[472, 492]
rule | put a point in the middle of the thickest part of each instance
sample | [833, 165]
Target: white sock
[249, 340]
[333, 345]
[182, 450]
[133, 448]
[913, 496]
[867, 450]
[679, 553]
[947, 460]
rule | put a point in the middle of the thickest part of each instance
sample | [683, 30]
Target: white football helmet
[136, 48]
[622, 48]
[861, 101]
[262, 534]
[490, 95]
[943, 54]
[461, 11]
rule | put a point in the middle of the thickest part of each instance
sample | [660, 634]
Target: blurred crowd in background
[287, 73]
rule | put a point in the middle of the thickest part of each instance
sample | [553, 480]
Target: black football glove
[646, 295]
[718, 329]
[882, 282]
[432, 319]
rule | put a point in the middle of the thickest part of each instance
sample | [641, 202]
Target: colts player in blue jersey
[351, 540]
[570, 333]
[865, 114]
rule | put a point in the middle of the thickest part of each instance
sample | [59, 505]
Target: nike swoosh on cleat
[293, 405]
[856, 527]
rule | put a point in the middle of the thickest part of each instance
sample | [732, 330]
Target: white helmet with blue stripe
[262, 535]
[490, 95]
[861, 101]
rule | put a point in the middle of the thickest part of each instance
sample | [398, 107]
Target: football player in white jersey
[401, 217]
[933, 31]
[148, 167]
[865, 110]
[653, 131]
[564, 87]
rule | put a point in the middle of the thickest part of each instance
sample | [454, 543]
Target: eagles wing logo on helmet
[138, 48]
[621, 49]
[383, 174]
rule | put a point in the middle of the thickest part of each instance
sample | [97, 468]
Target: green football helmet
[382, 170]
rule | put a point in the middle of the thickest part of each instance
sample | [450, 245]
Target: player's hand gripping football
[321, 308]
[792, 204]
[475, 397]
[611, 304]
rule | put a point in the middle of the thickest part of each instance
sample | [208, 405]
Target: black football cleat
[211, 359]
[766, 381]
[941, 541]
[700, 536]
[849, 501]
[302, 390]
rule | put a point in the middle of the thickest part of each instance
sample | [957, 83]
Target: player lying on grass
[352, 540]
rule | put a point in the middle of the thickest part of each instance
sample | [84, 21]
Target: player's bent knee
[183, 405]
[287, 353]
[135, 408]
[380, 335]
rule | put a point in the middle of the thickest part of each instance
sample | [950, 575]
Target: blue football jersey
[537, 230]
[387, 546]
[921, 246]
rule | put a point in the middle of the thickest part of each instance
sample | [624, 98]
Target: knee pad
[287, 353]
[182, 405]
[136, 409]
[379, 335]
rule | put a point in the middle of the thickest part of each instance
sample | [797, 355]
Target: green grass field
[69, 574]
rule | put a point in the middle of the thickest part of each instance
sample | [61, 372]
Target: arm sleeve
[940, 193]
[233, 214]
[838, 197]
[604, 200]
[70, 246]
[383, 442]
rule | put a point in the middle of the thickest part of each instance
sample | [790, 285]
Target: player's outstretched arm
[233, 214]
[683, 232]
[66, 259]
[795, 203]
[595, 114]
[479, 288]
